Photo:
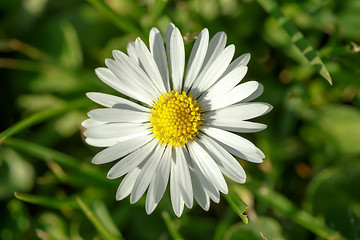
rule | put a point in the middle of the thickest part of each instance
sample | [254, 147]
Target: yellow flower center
[175, 118]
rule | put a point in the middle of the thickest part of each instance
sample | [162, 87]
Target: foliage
[307, 187]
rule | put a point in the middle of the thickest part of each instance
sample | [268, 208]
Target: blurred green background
[308, 185]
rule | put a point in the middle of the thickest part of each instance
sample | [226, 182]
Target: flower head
[178, 128]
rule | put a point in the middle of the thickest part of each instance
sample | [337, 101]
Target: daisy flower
[175, 126]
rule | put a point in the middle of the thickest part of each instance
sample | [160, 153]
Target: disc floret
[175, 118]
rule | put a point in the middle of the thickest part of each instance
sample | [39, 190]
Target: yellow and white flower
[176, 126]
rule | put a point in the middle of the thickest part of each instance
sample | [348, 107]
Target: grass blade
[47, 202]
[41, 117]
[158, 9]
[102, 230]
[121, 22]
[297, 37]
[236, 203]
[175, 234]
[48, 154]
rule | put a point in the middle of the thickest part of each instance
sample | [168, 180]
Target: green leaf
[297, 38]
[259, 229]
[233, 198]
[343, 211]
[71, 55]
[98, 224]
[47, 202]
[16, 174]
[338, 127]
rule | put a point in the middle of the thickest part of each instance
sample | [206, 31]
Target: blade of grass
[224, 224]
[41, 117]
[175, 234]
[158, 9]
[28, 50]
[48, 154]
[297, 38]
[103, 214]
[237, 205]
[286, 207]
[121, 22]
[102, 230]
[25, 65]
[47, 202]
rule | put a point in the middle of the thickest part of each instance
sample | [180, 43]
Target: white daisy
[176, 126]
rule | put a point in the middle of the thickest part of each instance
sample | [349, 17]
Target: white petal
[224, 159]
[131, 161]
[207, 166]
[243, 60]
[235, 95]
[118, 115]
[216, 46]
[127, 184]
[199, 193]
[238, 126]
[162, 174]
[149, 65]
[240, 111]
[89, 123]
[112, 101]
[176, 56]
[109, 78]
[157, 49]
[132, 53]
[113, 130]
[226, 83]
[175, 194]
[131, 74]
[120, 150]
[235, 144]
[150, 203]
[196, 59]
[213, 70]
[211, 191]
[96, 142]
[183, 177]
[146, 174]
[255, 94]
